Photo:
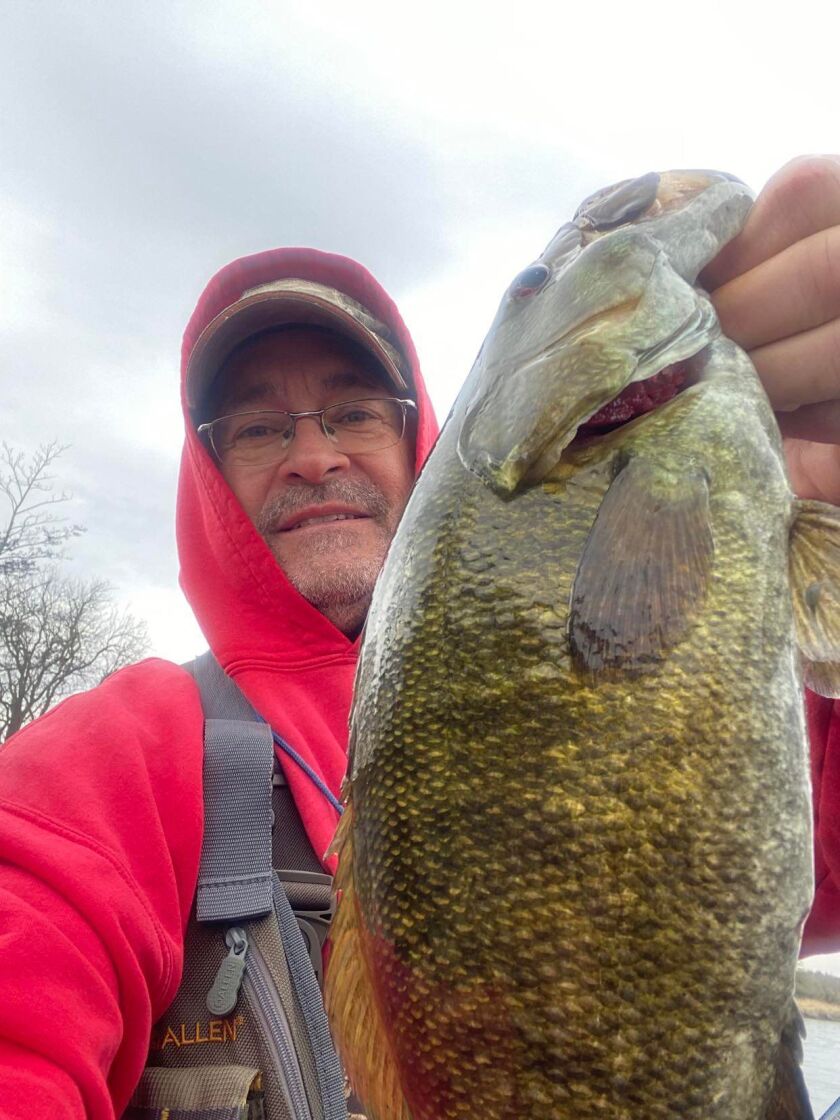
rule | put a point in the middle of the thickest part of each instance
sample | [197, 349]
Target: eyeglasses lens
[353, 427]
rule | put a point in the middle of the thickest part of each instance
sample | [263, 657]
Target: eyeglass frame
[404, 403]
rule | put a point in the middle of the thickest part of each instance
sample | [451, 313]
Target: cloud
[154, 155]
[142, 156]
[149, 144]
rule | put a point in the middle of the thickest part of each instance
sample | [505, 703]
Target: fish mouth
[639, 398]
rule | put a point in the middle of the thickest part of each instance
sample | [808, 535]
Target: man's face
[327, 516]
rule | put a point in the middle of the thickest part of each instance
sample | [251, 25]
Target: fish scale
[577, 853]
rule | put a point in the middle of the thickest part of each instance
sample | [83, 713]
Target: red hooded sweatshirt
[101, 799]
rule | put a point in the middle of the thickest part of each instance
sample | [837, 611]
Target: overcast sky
[145, 145]
[142, 146]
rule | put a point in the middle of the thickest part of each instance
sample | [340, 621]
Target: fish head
[610, 303]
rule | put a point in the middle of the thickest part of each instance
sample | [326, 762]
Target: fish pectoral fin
[359, 1032]
[644, 571]
[815, 583]
[789, 1098]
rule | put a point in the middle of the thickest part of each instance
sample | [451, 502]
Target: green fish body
[577, 854]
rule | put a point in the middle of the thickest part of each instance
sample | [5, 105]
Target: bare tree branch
[30, 531]
[57, 635]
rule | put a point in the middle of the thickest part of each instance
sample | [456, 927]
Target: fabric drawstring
[318, 782]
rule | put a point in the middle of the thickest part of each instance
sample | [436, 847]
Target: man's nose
[311, 456]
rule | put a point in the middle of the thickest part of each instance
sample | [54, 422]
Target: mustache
[359, 493]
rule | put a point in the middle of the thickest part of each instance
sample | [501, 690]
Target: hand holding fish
[776, 289]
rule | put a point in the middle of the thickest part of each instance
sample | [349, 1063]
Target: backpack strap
[235, 880]
[328, 1069]
[230, 830]
[220, 696]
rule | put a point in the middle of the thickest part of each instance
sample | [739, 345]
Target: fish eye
[530, 280]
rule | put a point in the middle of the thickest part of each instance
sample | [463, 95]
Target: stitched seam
[221, 884]
[92, 845]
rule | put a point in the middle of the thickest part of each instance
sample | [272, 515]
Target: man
[281, 530]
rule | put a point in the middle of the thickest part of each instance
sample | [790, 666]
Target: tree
[57, 634]
[33, 532]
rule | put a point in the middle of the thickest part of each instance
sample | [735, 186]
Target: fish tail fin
[815, 582]
[359, 1032]
[789, 1099]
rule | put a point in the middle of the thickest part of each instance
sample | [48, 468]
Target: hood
[292, 664]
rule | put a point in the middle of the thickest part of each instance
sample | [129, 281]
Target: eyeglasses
[353, 427]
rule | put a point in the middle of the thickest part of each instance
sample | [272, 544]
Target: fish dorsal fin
[360, 1034]
[644, 570]
[815, 583]
[789, 1098]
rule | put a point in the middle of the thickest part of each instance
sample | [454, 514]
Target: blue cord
[310, 773]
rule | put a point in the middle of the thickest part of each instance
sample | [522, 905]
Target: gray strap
[220, 697]
[235, 878]
[327, 1064]
[234, 881]
[227, 712]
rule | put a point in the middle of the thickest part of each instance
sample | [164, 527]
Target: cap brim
[285, 303]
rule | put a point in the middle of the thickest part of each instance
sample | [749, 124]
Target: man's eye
[354, 415]
[257, 431]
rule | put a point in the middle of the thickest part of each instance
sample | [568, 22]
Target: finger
[803, 369]
[794, 291]
[819, 423]
[799, 200]
[814, 470]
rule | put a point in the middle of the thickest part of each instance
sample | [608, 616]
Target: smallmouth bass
[576, 858]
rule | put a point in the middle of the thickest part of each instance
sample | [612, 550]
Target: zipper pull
[222, 997]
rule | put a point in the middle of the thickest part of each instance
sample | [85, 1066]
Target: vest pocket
[199, 1093]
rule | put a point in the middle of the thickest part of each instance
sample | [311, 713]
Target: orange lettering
[215, 1030]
